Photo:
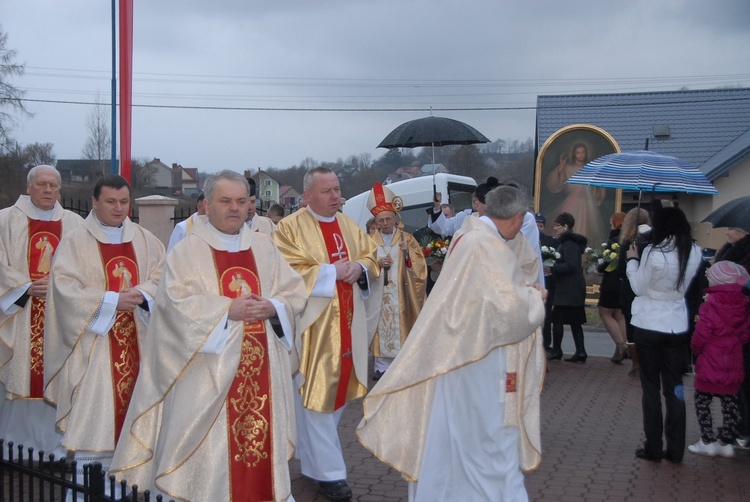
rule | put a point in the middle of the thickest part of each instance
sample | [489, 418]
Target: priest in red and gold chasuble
[336, 259]
[212, 416]
[94, 323]
[30, 232]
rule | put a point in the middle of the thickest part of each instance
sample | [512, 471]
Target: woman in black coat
[568, 303]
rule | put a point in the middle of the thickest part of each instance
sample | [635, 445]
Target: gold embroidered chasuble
[403, 297]
[300, 239]
[176, 436]
[15, 255]
[497, 309]
[78, 375]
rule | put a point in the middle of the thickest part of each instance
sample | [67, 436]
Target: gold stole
[121, 271]
[249, 404]
[336, 248]
[44, 236]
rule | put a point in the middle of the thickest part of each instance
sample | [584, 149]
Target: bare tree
[38, 153]
[308, 163]
[144, 173]
[98, 144]
[10, 95]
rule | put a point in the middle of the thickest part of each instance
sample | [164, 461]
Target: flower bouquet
[435, 249]
[549, 256]
[605, 257]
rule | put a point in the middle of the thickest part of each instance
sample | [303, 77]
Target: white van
[417, 195]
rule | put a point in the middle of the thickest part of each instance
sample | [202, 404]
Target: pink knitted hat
[727, 272]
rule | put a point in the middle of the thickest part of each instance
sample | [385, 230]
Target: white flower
[588, 250]
[557, 255]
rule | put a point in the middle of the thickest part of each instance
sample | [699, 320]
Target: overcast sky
[256, 83]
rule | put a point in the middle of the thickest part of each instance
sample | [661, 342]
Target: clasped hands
[38, 288]
[348, 271]
[251, 308]
[130, 299]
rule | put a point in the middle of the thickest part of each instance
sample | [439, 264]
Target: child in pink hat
[723, 327]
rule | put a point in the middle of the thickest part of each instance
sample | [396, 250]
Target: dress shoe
[642, 453]
[377, 375]
[335, 490]
[554, 355]
[671, 458]
[578, 357]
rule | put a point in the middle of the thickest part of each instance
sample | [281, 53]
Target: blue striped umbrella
[643, 171]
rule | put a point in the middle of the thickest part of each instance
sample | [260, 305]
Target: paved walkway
[591, 426]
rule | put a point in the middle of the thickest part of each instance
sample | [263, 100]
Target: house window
[268, 193]
[268, 183]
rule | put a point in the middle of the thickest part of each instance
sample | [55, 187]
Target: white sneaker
[701, 448]
[725, 450]
[743, 443]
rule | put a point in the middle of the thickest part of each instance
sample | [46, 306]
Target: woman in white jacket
[660, 320]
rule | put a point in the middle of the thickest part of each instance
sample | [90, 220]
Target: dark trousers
[662, 360]
[549, 283]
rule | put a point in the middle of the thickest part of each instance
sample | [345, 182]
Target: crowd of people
[200, 370]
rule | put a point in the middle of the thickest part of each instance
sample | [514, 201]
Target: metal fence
[26, 479]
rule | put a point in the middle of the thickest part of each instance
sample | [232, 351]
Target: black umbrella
[432, 131]
[735, 213]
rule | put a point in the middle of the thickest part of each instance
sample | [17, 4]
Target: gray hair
[308, 180]
[226, 174]
[42, 167]
[504, 202]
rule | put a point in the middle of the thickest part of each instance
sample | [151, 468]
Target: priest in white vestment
[93, 326]
[457, 413]
[30, 231]
[212, 416]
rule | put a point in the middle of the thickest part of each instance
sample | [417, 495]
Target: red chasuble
[336, 248]
[249, 413]
[121, 270]
[44, 236]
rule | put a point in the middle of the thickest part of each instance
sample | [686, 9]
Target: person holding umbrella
[660, 279]
[737, 248]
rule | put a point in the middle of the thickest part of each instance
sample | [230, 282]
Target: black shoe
[671, 458]
[642, 453]
[554, 355]
[376, 376]
[335, 490]
[578, 357]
